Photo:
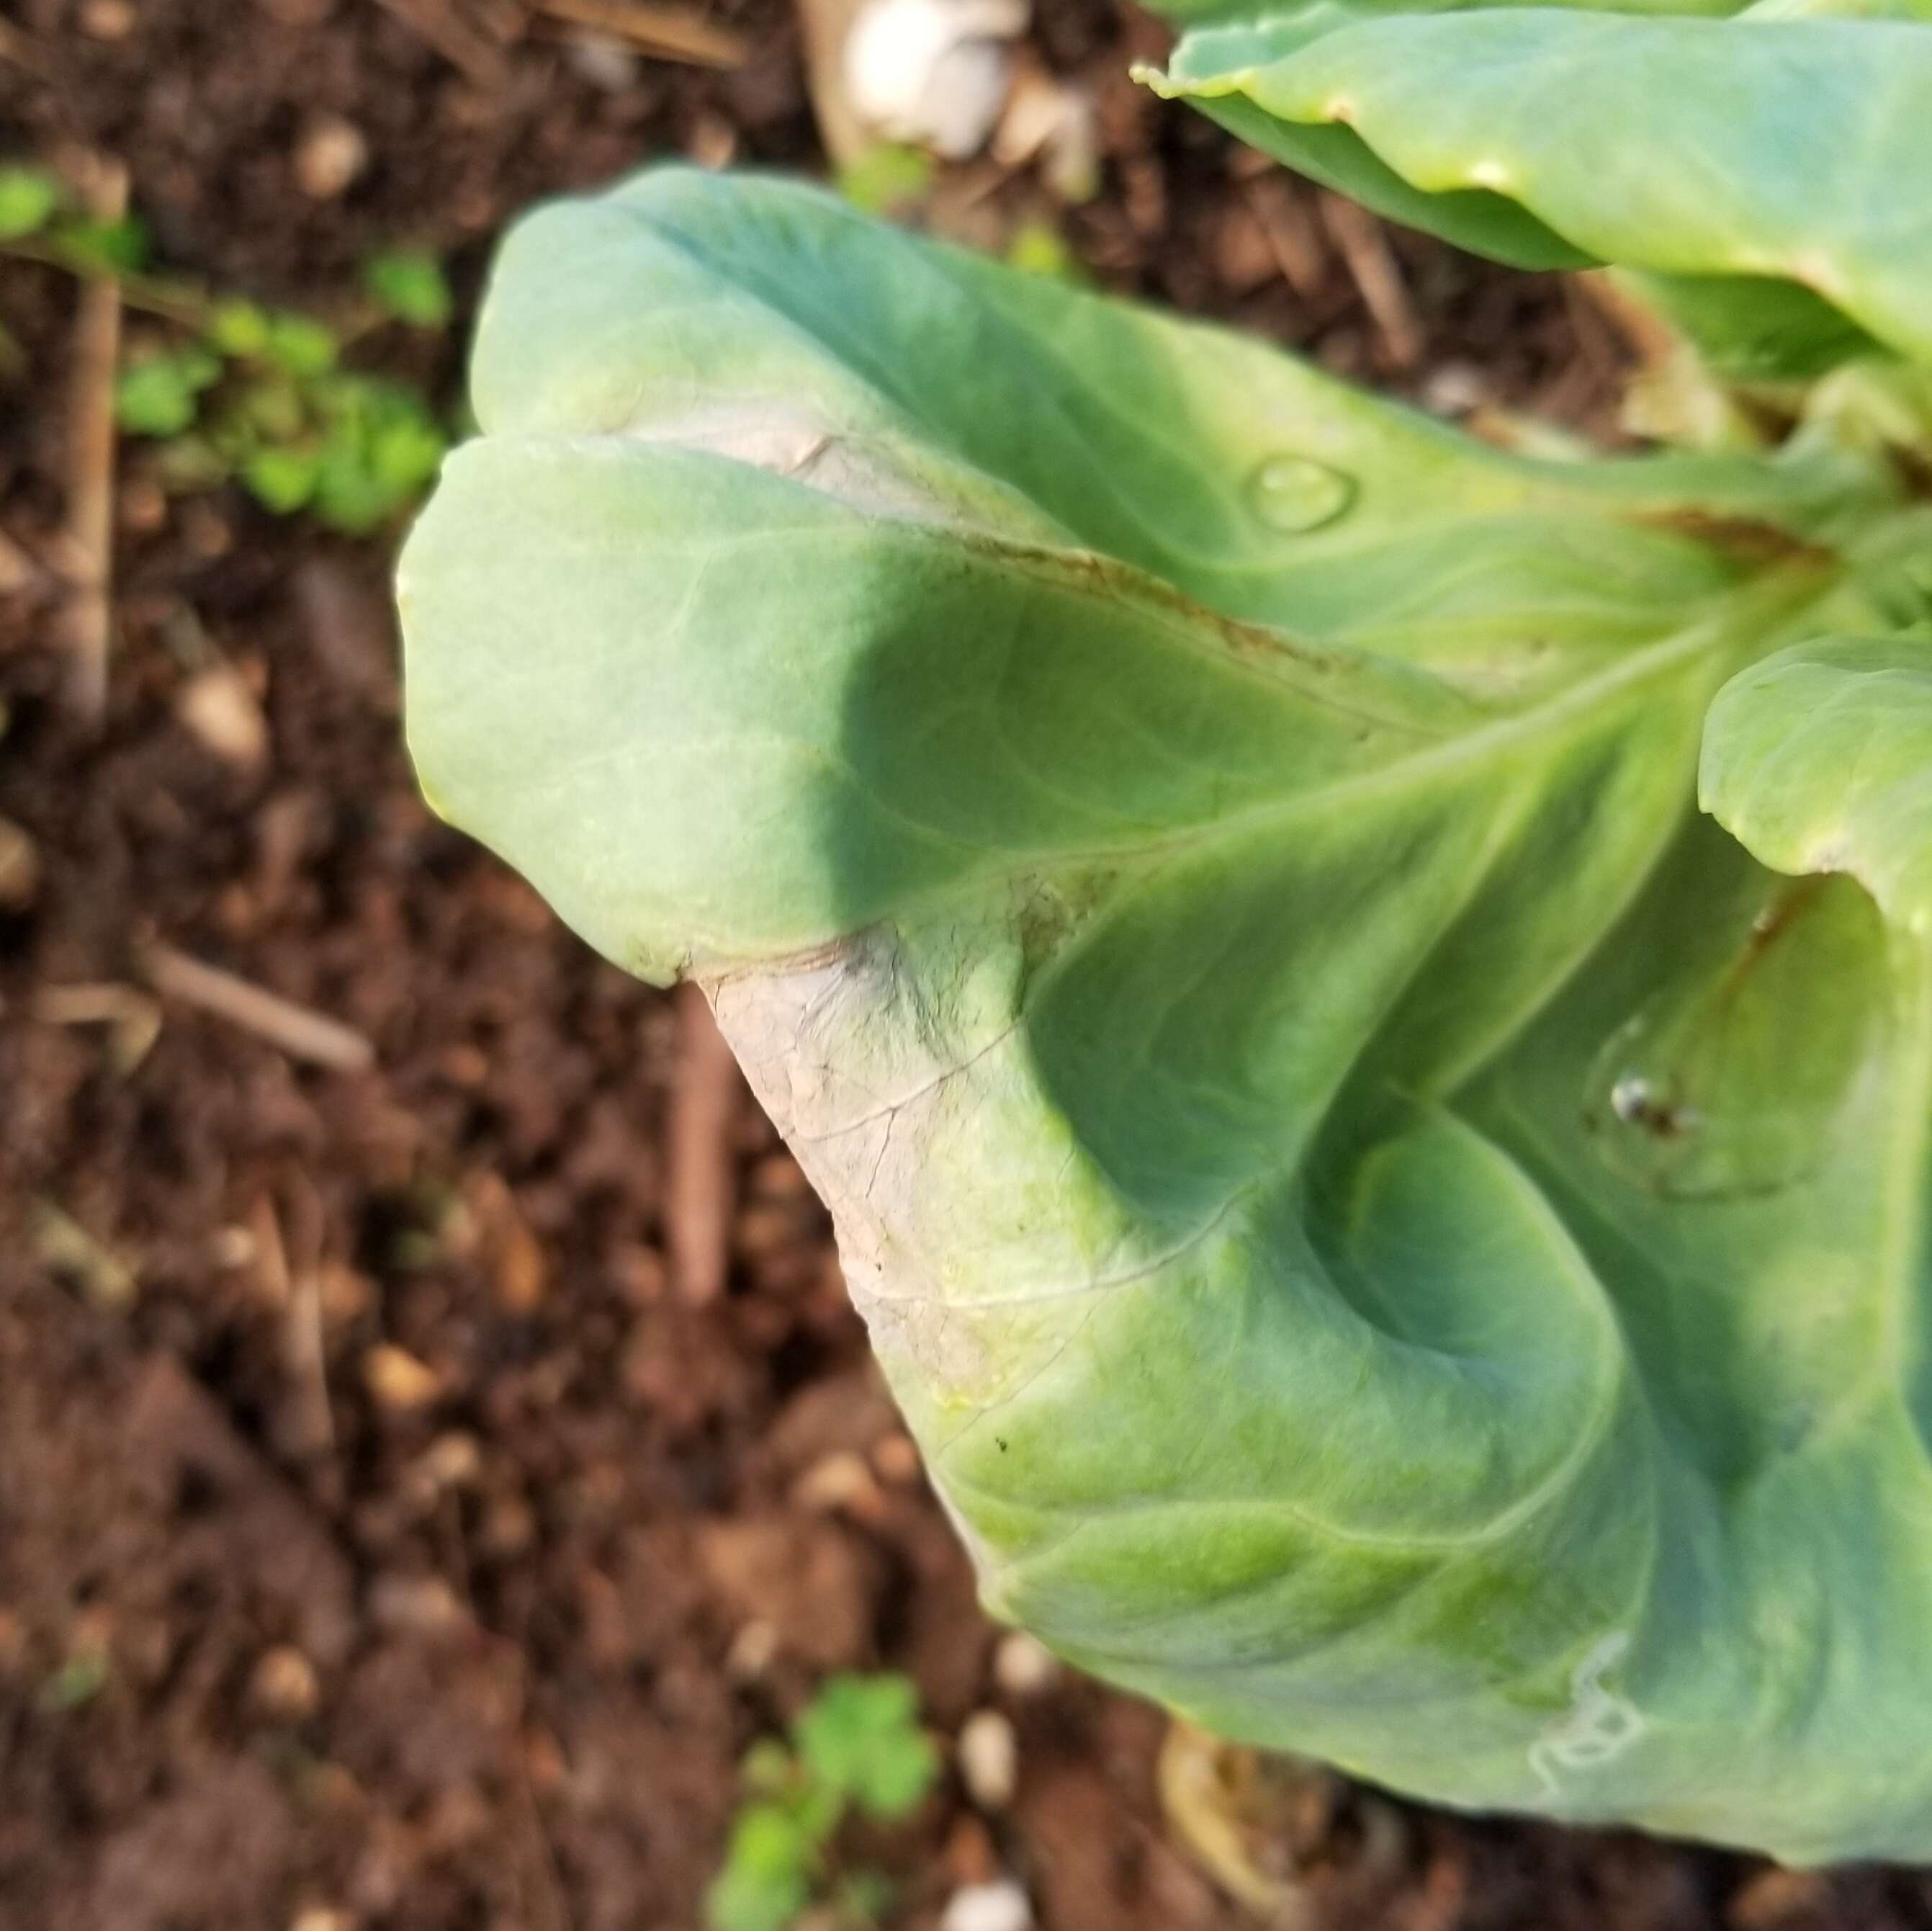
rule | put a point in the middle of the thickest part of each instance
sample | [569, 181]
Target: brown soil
[381, 1534]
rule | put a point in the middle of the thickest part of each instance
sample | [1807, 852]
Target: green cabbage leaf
[1765, 171]
[1400, 1235]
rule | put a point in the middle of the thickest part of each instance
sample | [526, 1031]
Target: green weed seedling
[856, 1748]
[238, 391]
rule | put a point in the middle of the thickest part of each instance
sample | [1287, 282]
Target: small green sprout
[77, 1682]
[1039, 247]
[159, 395]
[856, 1747]
[300, 346]
[860, 1737]
[886, 179]
[235, 391]
[117, 247]
[411, 286]
[29, 198]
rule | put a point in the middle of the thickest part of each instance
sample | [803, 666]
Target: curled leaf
[1396, 1236]
[1750, 162]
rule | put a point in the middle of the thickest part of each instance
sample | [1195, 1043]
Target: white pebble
[989, 1759]
[1001, 1906]
[935, 72]
[1023, 1666]
[608, 65]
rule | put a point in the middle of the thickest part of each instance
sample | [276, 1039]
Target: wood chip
[307, 1425]
[663, 32]
[398, 1381]
[502, 1236]
[20, 868]
[299, 1032]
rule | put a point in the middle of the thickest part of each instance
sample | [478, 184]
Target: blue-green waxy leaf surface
[1766, 169]
[1399, 1235]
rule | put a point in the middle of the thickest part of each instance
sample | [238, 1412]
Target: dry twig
[297, 1292]
[1649, 336]
[465, 46]
[663, 32]
[88, 539]
[1365, 247]
[827, 24]
[701, 1191]
[1291, 239]
[299, 1032]
[133, 1019]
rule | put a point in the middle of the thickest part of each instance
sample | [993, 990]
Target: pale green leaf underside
[1786, 144]
[1820, 759]
[1368, 1202]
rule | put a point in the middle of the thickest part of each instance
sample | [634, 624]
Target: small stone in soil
[1001, 1906]
[454, 1460]
[754, 1650]
[108, 19]
[284, 1687]
[989, 1759]
[415, 1605]
[398, 1381]
[1775, 1898]
[332, 153]
[896, 1458]
[1023, 1666]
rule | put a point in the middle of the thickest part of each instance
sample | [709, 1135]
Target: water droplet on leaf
[1728, 1082]
[1296, 495]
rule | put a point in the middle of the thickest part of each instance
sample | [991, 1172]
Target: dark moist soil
[384, 1541]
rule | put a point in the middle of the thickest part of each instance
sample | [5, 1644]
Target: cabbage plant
[1362, 1002]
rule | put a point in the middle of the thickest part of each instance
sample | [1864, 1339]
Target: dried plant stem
[663, 32]
[827, 23]
[1364, 245]
[297, 1293]
[89, 535]
[299, 1032]
[701, 1193]
[464, 45]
